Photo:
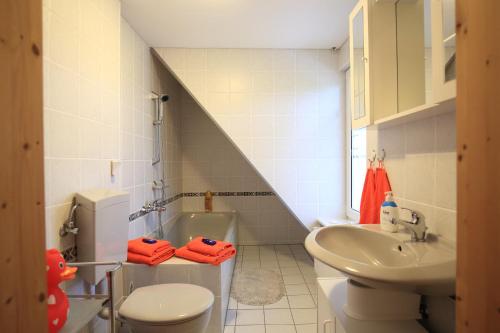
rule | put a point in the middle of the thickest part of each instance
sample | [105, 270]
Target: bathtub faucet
[208, 202]
[155, 206]
[158, 206]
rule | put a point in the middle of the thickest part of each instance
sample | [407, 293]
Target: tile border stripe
[218, 194]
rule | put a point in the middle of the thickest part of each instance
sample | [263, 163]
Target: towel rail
[110, 275]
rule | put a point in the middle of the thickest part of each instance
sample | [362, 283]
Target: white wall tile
[82, 100]
[296, 113]
[64, 180]
[62, 135]
[421, 164]
[62, 89]
[63, 42]
[446, 180]
[90, 138]
[225, 169]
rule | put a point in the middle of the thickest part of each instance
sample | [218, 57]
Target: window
[355, 159]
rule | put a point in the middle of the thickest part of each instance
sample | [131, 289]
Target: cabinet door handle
[326, 322]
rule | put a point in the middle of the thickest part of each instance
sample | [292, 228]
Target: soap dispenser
[389, 214]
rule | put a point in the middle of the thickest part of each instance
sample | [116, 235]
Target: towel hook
[381, 160]
[374, 157]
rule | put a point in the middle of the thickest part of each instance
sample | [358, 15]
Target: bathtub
[187, 226]
[221, 226]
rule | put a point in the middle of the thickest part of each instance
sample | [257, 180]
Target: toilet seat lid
[166, 303]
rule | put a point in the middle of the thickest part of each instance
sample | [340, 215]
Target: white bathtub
[219, 226]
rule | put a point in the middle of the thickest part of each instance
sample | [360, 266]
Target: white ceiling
[240, 23]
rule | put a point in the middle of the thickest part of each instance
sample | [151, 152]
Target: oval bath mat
[257, 287]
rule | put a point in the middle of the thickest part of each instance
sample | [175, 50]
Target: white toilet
[168, 308]
[164, 308]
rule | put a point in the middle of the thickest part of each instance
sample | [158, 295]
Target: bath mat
[257, 287]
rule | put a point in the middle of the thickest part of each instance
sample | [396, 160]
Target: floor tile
[304, 316]
[294, 313]
[309, 328]
[229, 329]
[313, 288]
[282, 248]
[242, 306]
[233, 304]
[296, 247]
[278, 316]
[310, 278]
[251, 256]
[231, 317]
[249, 317]
[301, 302]
[250, 329]
[297, 289]
[270, 265]
[251, 260]
[268, 258]
[290, 271]
[281, 304]
[280, 329]
[293, 279]
[285, 256]
[251, 264]
[287, 263]
[251, 249]
[307, 271]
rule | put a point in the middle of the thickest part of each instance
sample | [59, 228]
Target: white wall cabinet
[402, 59]
[443, 50]
[372, 45]
[327, 321]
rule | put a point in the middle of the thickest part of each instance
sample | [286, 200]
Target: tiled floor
[296, 312]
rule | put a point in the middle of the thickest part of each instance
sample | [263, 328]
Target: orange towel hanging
[367, 208]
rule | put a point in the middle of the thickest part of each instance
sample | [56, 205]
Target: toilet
[164, 308]
[168, 308]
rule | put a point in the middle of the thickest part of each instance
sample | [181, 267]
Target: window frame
[350, 213]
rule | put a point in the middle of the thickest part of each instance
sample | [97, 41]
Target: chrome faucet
[416, 225]
[158, 207]
[69, 225]
[155, 206]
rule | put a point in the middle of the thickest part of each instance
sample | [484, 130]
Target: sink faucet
[416, 225]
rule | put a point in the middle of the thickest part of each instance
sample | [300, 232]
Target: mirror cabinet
[443, 43]
[372, 42]
[402, 58]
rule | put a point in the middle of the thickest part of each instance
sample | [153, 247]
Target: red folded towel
[185, 253]
[159, 257]
[197, 245]
[140, 252]
[145, 249]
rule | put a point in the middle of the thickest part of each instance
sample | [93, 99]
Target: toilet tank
[102, 219]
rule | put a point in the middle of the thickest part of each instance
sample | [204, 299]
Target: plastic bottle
[389, 213]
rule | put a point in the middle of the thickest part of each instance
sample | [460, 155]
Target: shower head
[164, 98]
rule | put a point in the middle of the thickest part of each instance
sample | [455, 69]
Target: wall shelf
[82, 311]
[417, 113]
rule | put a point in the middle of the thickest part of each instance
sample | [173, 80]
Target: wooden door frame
[22, 263]
[22, 206]
[478, 151]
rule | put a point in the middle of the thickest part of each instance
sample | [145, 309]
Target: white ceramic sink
[384, 260]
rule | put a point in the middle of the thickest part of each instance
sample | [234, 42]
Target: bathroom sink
[384, 260]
